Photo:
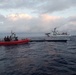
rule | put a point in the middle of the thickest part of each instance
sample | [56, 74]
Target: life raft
[23, 41]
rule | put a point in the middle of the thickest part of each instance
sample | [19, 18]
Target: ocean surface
[39, 58]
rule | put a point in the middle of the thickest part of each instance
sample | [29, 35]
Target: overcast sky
[37, 15]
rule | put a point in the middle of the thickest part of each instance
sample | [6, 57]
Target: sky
[36, 16]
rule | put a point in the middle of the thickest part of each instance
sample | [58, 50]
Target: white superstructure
[55, 35]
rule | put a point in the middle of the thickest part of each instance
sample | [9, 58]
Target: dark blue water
[38, 58]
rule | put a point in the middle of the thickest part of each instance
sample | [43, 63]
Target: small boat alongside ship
[13, 40]
[4, 43]
[54, 37]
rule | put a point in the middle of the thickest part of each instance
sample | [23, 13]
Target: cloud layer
[38, 6]
[41, 17]
[42, 23]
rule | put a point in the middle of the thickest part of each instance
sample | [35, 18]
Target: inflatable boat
[23, 41]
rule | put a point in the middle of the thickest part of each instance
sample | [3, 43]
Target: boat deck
[48, 40]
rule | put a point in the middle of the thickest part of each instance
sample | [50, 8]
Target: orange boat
[4, 43]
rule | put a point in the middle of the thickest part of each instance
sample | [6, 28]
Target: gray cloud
[39, 6]
[2, 18]
[38, 24]
[72, 19]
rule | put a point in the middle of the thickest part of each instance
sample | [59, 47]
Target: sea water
[39, 58]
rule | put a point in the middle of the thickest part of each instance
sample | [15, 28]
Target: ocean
[39, 58]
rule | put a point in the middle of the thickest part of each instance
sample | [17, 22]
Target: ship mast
[55, 32]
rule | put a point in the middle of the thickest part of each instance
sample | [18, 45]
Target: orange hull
[3, 43]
